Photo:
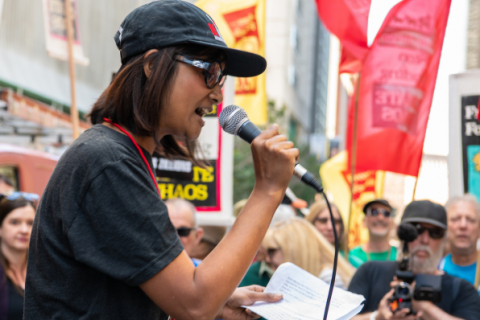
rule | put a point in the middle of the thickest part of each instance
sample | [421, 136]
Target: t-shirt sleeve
[360, 283]
[466, 305]
[123, 229]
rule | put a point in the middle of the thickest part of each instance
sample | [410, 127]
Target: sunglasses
[325, 221]
[272, 251]
[211, 70]
[184, 231]
[434, 232]
[376, 212]
[15, 195]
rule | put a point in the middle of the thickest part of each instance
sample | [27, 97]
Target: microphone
[234, 120]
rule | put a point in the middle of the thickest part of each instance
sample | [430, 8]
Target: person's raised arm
[188, 293]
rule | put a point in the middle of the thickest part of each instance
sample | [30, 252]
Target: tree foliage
[243, 172]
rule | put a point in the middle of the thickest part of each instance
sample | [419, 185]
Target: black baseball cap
[425, 211]
[381, 201]
[165, 23]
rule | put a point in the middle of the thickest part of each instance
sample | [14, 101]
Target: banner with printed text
[179, 178]
[396, 88]
[471, 145]
[56, 31]
[242, 26]
[368, 186]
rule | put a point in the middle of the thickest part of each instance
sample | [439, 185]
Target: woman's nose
[216, 95]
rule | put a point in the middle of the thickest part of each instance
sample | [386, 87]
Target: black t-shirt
[100, 231]
[372, 280]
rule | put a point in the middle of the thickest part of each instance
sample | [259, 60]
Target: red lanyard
[139, 151]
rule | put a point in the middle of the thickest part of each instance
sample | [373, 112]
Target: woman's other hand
[245, 296]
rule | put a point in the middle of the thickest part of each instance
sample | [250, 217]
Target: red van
[28, 169]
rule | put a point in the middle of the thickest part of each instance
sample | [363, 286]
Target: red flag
[396, 87]
[348, 20]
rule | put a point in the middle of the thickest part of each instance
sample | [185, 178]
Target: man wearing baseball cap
[375, 280]
[379, 222]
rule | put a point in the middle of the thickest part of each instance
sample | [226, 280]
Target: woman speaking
[102, 244]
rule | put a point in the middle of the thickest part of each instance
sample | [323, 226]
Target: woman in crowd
[16, 220]
[103, 246]
[319, 216]
[298, 242]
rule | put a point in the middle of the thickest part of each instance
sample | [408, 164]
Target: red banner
[396, 87]
[348, 20]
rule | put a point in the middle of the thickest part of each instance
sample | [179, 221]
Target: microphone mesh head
[230, 117]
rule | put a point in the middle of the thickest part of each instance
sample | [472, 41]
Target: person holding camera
[376, 280]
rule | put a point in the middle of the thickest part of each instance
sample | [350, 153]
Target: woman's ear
[147, 66]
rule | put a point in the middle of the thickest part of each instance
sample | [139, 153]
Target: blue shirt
[463, 272]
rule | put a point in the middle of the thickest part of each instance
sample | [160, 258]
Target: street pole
[71, 66]
[353, 158]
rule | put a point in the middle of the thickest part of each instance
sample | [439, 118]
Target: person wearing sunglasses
[319, 216]
[183, 217]
[103, 246]
[17, 211]
[375, 279]
[379, 222]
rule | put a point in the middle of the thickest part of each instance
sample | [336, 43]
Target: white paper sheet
[304, 297]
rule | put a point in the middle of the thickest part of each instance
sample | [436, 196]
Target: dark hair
[7, 206]
[135, 102]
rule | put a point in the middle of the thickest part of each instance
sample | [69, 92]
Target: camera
[427, 287]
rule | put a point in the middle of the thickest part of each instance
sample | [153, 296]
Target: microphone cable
[234, 120]
[319, 189]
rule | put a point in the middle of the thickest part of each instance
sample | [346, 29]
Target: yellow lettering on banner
[166, 190]
[202, 193]
[188, 192]
[178, 192]
[206, 174]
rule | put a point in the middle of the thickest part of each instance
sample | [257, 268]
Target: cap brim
[425, 220]
[381, 201]
[239, 63]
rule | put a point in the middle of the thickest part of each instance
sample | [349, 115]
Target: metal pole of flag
[353, 158]
[71, 66]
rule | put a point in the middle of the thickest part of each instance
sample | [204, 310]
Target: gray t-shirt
[100, 231]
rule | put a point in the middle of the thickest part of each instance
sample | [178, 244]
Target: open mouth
[203, 111]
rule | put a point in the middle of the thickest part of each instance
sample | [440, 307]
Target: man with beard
[379, 221]
[463, 232]
[375, 280]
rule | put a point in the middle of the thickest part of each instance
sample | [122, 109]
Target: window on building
[11, 172]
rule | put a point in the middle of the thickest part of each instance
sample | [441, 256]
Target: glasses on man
[211, 70]
[15, 195]
[326, 220]
[184, 231]
[375, 212]
[433, 232]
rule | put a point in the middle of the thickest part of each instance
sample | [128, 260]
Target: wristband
[373, 315]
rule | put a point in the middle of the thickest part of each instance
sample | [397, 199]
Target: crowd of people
[446, 246]
[102, 244]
